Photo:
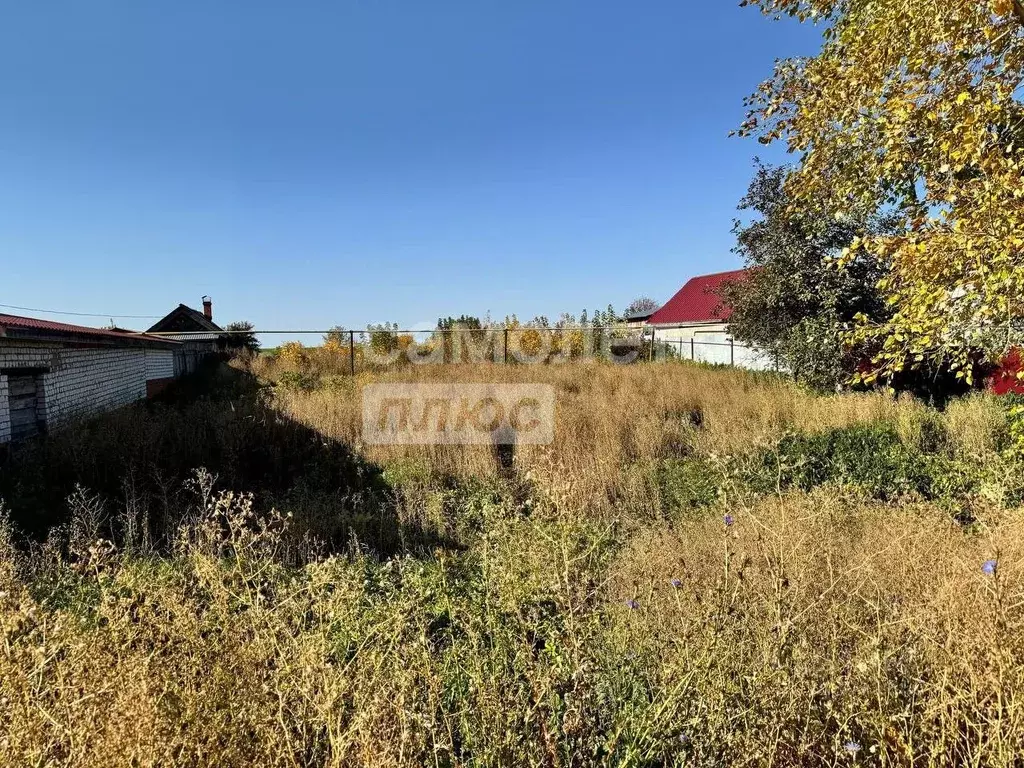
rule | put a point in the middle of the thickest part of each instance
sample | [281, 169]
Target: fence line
[643, 339]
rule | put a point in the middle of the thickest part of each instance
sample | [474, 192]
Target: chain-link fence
[353, 351]
[721, 351]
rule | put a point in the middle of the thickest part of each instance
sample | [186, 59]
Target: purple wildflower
[632, 605]
[853, 747]
[729, 520]
[989, 567]
[675, 583]
[684, 738]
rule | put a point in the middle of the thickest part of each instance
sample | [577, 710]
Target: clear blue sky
[353, 161]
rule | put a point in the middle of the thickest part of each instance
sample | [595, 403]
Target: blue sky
[355, 161]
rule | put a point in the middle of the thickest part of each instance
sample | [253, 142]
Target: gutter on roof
[13, 333]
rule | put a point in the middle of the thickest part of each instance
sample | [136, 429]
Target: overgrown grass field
[707, 567]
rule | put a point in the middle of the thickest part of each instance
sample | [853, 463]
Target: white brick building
[695, 325]
[51, 372]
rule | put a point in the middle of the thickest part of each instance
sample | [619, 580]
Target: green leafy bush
[868, 456]
[687, 484]
[298, 381]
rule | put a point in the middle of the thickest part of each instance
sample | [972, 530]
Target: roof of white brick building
[31, 328]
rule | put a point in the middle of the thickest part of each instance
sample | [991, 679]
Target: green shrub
[687, 484]
[867, 456]
[298, 381]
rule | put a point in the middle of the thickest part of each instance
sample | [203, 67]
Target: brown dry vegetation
[609, 417]
[593, 608]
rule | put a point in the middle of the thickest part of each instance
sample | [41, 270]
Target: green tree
[794, 303]
[453, 335]
[337, 336]
[240, 336]
[642, 304]
[383, 338]
[462, 321]
[601, 317]
[914, 106]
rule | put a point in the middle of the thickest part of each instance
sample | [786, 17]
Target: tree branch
[1018, 9]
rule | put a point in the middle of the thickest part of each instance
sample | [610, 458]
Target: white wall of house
[77, 381]
[159, 364]
[712, 343]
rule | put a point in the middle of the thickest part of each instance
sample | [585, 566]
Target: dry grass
[606, 409]
[880, 618]
[571, 625]
[609, 418]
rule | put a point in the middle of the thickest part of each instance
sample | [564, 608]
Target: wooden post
[352, 352]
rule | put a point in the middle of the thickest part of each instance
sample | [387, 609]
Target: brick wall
[159, 364]
[5, 416]
[80, 381]
[91, 380]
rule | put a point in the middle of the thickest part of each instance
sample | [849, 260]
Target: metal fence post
[505, 356]
[651, 356]
[693, 353]
[352, 352]
[732, 353]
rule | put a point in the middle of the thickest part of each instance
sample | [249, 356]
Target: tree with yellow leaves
[292, 353]
[914, 107]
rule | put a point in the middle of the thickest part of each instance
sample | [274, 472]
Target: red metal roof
[32, 324]
[698, 301]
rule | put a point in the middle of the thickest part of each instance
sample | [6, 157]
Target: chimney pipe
[208, 308]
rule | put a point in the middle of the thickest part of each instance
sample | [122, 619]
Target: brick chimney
[208, 308]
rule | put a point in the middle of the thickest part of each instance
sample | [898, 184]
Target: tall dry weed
[566, 616]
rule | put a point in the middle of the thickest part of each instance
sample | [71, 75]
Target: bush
[299, 381]
[874, 459]
[687, 484]
[868, 456]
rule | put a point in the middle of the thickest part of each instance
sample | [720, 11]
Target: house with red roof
[694, 324]
[53, 372]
